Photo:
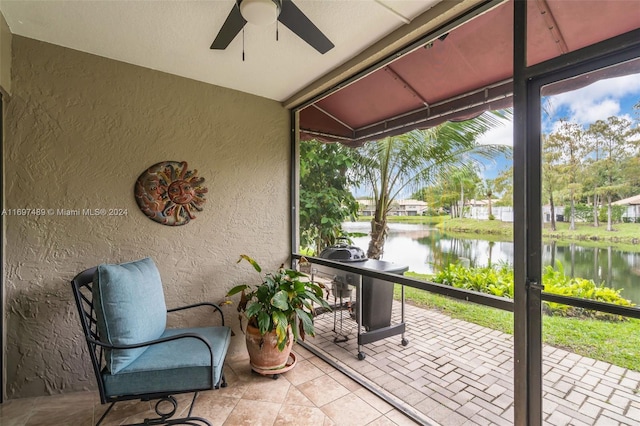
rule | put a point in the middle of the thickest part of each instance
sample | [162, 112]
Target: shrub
[616, 213]
[583, 212]
[556, 282]
[498, 281]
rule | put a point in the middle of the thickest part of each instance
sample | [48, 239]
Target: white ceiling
[174, 36]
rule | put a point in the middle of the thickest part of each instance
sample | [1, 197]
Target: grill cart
[374, 297]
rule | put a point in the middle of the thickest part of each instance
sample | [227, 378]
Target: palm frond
[391, 165]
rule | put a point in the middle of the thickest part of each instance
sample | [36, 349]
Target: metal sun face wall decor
[168, 193]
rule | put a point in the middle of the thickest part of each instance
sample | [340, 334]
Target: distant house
[398, 208]
[408, 208]
[477, 203]
[367, 208]
[633, 208]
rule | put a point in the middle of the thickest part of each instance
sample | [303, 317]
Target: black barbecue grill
[343, 252]
[374, 297]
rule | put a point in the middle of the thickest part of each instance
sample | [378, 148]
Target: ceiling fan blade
[230, 29]
[294, 19]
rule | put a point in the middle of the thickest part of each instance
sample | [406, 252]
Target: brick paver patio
[456, 373]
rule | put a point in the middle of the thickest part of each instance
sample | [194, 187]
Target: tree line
[386, 169]
[592, 166]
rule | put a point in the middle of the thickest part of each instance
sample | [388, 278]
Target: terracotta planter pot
[263, 349]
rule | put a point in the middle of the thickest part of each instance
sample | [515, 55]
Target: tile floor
[451, 373]
[313, 393]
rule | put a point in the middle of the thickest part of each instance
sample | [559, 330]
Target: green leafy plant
[282, 297]
[498, 281]
[555, 281]
[325, 194]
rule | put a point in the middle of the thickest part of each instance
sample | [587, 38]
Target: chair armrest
[196, 305]
[157, 341]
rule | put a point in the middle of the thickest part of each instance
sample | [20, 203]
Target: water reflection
[426, 250]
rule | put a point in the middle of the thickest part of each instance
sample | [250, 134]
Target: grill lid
[343, 252]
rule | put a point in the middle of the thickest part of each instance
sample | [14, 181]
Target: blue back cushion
[130, 308]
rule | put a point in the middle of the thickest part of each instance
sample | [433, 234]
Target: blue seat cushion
[130, 308]
[180, 365]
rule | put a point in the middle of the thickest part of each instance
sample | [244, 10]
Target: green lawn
[616, 343]
[622, 232]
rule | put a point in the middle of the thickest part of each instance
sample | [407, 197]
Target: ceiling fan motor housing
[264, 12]
[260, 12]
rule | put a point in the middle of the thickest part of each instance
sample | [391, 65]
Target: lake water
[425, 250]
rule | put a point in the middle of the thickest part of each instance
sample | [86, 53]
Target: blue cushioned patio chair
[134, 355]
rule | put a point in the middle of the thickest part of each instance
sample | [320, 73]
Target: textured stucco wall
[5, 55]
[80, 130]
[5, 87]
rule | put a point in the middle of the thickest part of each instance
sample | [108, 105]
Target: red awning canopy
[462, 73]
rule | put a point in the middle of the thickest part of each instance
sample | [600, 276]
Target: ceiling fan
[264, 12]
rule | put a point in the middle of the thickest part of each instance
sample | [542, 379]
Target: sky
[600, 100]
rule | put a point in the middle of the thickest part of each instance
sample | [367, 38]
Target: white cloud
[501, 135]
[588, 112]
[598, 101]
[616, 88]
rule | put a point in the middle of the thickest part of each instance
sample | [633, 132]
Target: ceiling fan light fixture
[260, 12]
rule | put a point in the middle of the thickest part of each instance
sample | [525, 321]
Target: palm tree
[488, 191]
[393, 165]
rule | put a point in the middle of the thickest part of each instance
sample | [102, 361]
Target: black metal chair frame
[82, 291]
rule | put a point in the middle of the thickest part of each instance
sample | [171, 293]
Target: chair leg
[164, 418]
[222, 383]
[105, 413]
[189, 420]
[192, 421]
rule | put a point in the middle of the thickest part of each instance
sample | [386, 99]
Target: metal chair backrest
[82, 285]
